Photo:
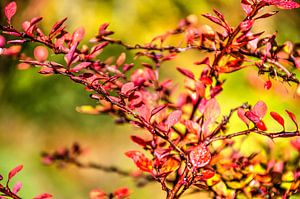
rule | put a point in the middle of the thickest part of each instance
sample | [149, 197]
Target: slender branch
[280, 134]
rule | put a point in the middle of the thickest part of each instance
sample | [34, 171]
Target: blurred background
[37, 113]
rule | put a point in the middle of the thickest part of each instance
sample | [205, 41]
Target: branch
[280, 134]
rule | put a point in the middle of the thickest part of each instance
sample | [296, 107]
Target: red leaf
[207, 174]
[138, 140]
[269, 14]
[173, 118]
[128, 87]
[14, 171]
[241, 113]
[57, 26]
[169, 57]
[186, 72]
[213, 19]
[140, 160]
[43, 196]
[10, 10]
[283, 4]
[261, 125]
[200, 156]
[204, 61]
[252, 116]
[278, 118]
[99, 47]
[17, 187]
[268, 85]
[121, 193]
[245, 26]
[97, 194]
[260, 109]
[293, 117]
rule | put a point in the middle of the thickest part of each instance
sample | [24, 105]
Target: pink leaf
[252, 116]
[10, 10]
[128, 87]
[78, 34]
[200, 156]
[293, 117]
[278, 118]
[186, 72]
[173, 118]
[80, 66]
[14, 171]
[17, 187]
[247, 7]
[136, 98]
[283, 4]
[241, 113]
[43, 196]
[260, 109]
[57, 26]
[212, 110]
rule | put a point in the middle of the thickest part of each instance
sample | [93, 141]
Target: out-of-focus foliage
[38, 113]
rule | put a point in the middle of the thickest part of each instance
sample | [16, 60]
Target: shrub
[187, 138]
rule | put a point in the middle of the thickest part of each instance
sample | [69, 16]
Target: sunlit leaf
[170, 165]
[241, 113]
[140, 160]
[283, 4]
[173, 118]
[260, 109]
[200, 156]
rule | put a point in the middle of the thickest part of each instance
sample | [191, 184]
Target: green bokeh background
[37, 113]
